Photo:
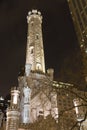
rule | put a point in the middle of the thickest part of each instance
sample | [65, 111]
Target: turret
[13, 113]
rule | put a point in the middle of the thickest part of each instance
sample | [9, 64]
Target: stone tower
[13, 113]
[32, 82]
[35, 51]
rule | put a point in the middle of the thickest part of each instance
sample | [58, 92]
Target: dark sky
[58, 36]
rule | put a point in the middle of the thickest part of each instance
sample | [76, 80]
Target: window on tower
[38, 66]
[31, 50]
[37, 36]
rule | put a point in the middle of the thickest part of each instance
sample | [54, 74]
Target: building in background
[78, 11]
[4, 104]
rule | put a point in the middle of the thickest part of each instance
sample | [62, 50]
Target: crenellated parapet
[13, 112]
[34, 14]
[15, 97]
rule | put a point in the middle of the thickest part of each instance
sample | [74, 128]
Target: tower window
[37, 36]
[38, 66]
[15, 99]
[31, 51]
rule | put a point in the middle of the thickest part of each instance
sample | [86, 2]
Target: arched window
[37, 36]
[38, 66]
[32, 51]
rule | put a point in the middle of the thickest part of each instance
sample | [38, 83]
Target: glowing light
[81, 45]
[1, 98]
[82, 40]
[15, 99]
[76, 104]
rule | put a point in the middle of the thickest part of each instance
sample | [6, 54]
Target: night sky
[58, 36]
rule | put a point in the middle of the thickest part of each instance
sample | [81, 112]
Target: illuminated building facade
[78, 10]
[37, 93]
[36, 96]
[34, 101]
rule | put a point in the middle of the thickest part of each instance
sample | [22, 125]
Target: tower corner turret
[13, 112]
